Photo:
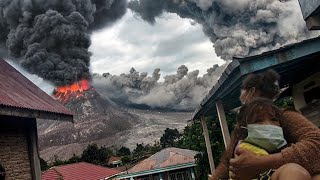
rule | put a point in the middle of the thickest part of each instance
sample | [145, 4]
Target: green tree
[74, 159]
[139, 151]
[156, 147]
[95, 155]
[124, 151]
[192, 138]
[286, 102]
[44, 165]
[57, 161]
[126, 159]
[169, 137]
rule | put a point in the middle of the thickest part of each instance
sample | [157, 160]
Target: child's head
[259, 111]
[258, 124]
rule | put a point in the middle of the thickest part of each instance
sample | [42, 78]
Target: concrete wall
[14, 150]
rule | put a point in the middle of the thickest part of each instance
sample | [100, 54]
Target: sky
[132, 42]
[167, 44]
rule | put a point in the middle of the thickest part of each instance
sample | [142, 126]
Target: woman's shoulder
[291, 112]
[293, 117]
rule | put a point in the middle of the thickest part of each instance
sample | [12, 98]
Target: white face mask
[267, 137]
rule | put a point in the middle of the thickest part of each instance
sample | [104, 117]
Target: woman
[300, 160]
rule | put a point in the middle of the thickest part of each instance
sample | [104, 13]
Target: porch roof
[293, 62]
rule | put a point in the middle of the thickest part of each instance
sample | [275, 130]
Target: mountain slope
[101, 121]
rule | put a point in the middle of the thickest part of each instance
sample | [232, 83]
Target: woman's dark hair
[264, 82]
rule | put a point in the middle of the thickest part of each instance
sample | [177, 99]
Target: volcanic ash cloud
[181, 91]
[236, 28]
[51, 38]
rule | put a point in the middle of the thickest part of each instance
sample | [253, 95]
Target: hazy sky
[167, 44]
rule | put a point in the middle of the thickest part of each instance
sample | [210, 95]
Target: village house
[168, 164]
[80, 171]
[114, 161]
[21, 103]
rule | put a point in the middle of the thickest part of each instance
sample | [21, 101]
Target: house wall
[14, 153]
[307, 98]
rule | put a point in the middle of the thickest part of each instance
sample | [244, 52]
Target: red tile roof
[51, 174]
[79, 171]
[19, 92]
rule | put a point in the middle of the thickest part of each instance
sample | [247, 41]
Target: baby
[258, 129]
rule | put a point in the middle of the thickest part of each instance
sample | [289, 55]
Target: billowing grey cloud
[181, 91]
[51, 38]
[236, 28]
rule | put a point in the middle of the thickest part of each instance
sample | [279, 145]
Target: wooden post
[208, 144]
[223, 123]
[33, 150]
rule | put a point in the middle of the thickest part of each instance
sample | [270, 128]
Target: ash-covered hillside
[99, 120]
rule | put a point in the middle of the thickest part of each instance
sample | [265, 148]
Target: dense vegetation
[100, 155]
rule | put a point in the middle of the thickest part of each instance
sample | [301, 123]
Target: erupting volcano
[73, 91]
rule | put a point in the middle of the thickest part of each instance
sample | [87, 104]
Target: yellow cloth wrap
[252, 148]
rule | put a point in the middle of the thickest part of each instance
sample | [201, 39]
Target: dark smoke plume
[236, 27]
[50, 38]
[181, 91]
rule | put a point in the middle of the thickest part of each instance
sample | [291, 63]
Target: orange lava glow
[75, 90]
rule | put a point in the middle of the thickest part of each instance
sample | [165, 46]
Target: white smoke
[181, 91]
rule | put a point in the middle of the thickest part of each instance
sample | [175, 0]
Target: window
[312, 94]
[144, 178]
[150, 177]
[182, 175]
[156, 177]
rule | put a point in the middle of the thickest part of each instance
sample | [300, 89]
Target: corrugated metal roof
[79, 171]
[165, 158]
[19, 92]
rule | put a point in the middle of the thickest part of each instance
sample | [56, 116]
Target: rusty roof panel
[19, 92]
[80, 171]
